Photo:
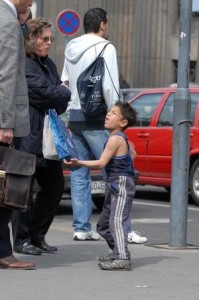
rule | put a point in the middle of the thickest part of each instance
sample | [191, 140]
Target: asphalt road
[72, 273]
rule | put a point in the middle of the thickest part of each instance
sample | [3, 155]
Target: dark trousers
[5, 244]
[115, 217]
[5, 215]
[33, 224]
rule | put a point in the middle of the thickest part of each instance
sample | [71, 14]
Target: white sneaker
[86, 236]
[134, 237]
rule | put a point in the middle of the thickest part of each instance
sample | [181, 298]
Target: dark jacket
[45, 92]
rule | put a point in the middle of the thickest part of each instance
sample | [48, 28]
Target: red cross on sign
[68, 22]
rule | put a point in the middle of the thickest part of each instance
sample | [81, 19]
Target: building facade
[144, 32]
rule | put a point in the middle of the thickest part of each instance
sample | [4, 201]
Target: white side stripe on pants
[118, 216]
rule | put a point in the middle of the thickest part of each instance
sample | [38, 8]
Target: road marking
[153, 221]
[63, 229]
[162, 205]
[151, 204]
[150, 221]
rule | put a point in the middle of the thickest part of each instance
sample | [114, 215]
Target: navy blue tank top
[120, 165]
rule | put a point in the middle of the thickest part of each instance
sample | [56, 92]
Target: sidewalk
[159, 272]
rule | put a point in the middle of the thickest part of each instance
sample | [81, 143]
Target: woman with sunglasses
[45, 91]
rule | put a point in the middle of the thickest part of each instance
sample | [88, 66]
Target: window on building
[195, 7]
[192, 71]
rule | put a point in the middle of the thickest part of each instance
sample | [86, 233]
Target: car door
[194, 140]
[160, 145]
[145, 106]
[161, 135]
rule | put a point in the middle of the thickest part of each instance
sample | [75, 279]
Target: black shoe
[104, 258]
[45, 247]
[27, 249]
[117, 264]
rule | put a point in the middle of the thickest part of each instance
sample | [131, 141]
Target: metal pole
[181, 134]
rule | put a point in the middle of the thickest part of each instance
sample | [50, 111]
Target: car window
[194, 102]
[145, 106]
[166, 116]
[129, 94]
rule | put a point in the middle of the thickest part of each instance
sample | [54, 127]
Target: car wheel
[98, 201]
[194, 182]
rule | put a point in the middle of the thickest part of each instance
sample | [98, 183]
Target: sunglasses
[47, 39]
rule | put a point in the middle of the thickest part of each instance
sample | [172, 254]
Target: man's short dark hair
[93, 18]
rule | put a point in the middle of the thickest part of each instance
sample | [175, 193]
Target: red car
[152, 137]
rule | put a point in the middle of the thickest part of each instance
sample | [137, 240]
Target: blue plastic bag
[62, 138]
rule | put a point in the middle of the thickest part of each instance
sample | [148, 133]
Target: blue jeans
[88, 142]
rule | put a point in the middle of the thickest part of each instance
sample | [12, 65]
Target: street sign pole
[181, 134]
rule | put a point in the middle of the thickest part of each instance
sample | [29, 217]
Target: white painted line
[154, 221]
[151, 204]
[161, 205]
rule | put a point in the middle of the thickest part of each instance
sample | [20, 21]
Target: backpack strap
[118, 93]
[101, 54]
[103, 49]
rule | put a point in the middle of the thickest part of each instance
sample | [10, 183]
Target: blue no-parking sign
[68, 22]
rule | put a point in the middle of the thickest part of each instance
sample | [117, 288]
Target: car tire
[98, 201]
[194, 182]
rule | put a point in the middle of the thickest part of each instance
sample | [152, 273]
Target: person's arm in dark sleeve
[42, 93]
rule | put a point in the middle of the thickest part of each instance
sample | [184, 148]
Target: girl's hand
[72, 163]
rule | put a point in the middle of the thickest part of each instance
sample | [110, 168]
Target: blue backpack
[89, 87]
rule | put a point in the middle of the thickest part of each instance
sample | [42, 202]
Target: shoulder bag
[16, 172]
